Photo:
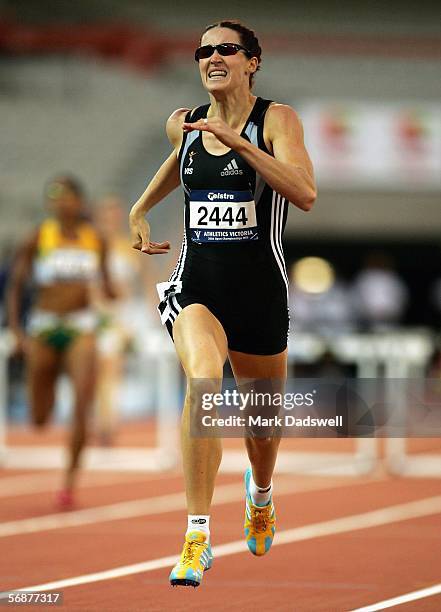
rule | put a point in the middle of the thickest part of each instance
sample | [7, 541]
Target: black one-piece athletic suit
[231, 258]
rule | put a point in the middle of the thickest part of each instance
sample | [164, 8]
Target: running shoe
[196, 557]
[64, 500]
[260, 522]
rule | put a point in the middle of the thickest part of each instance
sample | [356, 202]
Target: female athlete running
[63, 257]
[240, 160]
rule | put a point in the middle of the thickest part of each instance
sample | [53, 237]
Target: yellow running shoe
[260, 522]
[196, 557]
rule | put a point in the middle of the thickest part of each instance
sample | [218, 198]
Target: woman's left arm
[290, 171]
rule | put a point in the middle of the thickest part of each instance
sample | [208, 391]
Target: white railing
[399, 355]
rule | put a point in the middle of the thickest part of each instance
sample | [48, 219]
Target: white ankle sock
[199, 522]
[260, 495]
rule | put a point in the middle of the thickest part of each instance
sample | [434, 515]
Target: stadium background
[86, 88]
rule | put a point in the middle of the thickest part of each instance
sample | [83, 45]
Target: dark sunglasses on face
[223, 49]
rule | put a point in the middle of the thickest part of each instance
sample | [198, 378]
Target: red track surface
[332, 573]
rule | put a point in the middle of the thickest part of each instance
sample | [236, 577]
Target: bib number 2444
[224, 216]
[232, 218]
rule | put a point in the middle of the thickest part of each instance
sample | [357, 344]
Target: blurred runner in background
[121, 317]
[63, 258]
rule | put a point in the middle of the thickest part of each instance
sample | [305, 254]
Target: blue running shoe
[260, 522]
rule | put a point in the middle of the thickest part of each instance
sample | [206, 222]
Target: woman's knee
[199, 399]
[204, 365]
[41, 412]
[200, 387]
[39, 420]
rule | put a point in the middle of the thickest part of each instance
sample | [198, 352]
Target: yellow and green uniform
[64, 260]
[60, 259]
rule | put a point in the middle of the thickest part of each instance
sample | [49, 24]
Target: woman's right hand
[140, 232]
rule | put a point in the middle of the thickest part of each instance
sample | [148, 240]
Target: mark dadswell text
[287, 420]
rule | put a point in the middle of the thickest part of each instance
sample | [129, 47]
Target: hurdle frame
[368, 352]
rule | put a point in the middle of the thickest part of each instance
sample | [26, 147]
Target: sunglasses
[223, 49]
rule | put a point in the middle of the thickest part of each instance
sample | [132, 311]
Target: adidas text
[231, 168]
[231, 172]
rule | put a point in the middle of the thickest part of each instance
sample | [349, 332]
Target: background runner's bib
[60, 259]
[222, 216]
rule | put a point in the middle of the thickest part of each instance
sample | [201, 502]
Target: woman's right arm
[164, 182]
[20, 272]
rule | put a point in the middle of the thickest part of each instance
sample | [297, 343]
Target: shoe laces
[260, 518]
[191, 548]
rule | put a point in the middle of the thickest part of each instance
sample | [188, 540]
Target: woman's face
[64, 203]
[225, 73]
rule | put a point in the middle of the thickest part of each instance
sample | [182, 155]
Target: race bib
[66, 265]
[222, 216]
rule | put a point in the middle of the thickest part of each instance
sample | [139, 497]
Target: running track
[342, 543]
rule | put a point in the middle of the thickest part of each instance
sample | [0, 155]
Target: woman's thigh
[42, 368]
[200, 342]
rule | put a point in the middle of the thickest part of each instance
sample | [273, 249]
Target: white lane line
[171, 502]
[375, 518]
[396, 601]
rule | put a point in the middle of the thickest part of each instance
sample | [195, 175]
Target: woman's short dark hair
[247, 39]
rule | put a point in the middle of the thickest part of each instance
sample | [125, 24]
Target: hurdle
[399, 354]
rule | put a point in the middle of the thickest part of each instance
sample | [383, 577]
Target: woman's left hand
[217, 126]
